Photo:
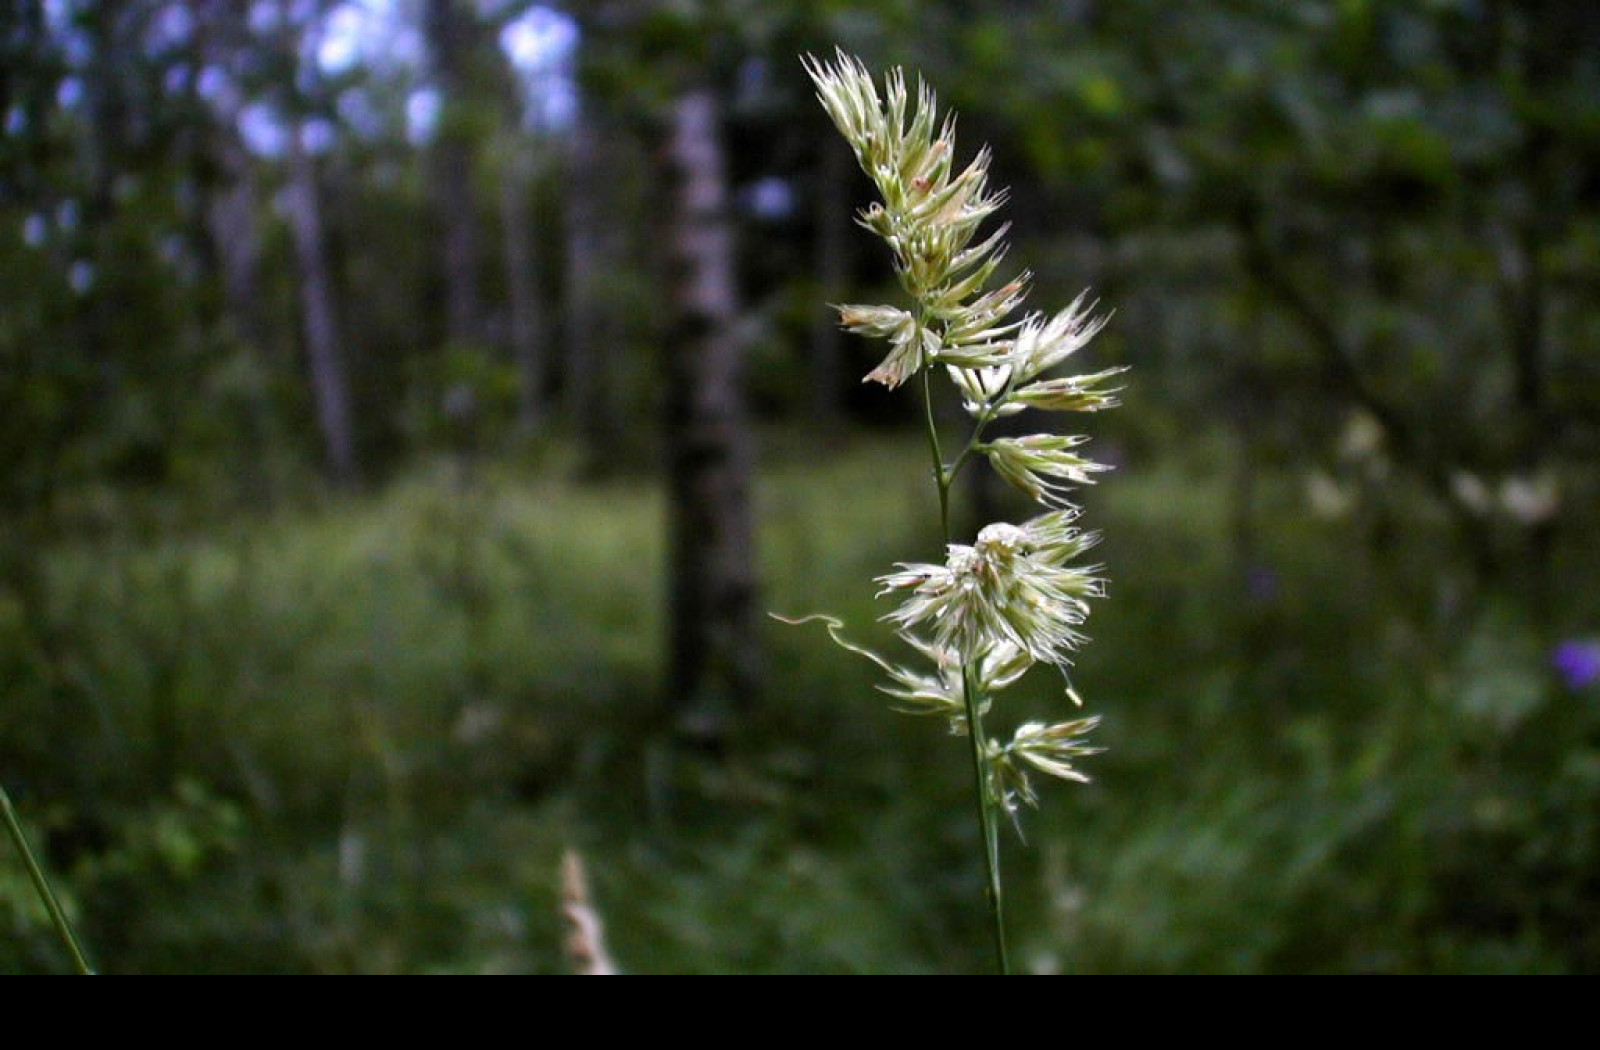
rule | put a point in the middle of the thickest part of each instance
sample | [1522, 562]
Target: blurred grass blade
[42, 884]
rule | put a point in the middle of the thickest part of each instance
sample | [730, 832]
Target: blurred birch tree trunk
[329, 385]
[714, 660]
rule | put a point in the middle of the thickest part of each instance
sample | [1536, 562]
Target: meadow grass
[361, 736]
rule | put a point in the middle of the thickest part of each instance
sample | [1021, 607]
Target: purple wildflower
[1577, 662]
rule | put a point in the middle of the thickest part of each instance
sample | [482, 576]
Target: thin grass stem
[941, 476]
[970, 695]
[41, 884]
[986, 820]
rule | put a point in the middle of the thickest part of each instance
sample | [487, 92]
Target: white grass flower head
[986, 391]
[928, 214]
[980, 327]
[911, 344]
[941, 691]
[1014, 585]
[925, 209]
[992, 364]
[1042, 465]
[1052, 749]
[1048, 749]
[1042, 344]
[1069, 393]
[1016, 595]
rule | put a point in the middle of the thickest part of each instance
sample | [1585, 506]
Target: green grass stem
[42, 884]
[993, 893]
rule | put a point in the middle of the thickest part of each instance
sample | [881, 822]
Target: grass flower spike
[1012, 586]
[1016, 596]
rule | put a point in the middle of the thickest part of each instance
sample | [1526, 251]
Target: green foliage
[383, 723]
[252, 728]
[463, 399]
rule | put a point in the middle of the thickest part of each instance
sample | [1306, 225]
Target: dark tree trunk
[592, 325]
[714, 658]
[448, 38]
[328, 383]
[1523, 294]
[233, 202]
[522, 288]
[833, 260]
[231, 222]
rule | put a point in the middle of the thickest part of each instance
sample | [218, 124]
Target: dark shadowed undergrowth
[359, 737]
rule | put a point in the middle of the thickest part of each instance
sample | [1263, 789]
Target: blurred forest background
[409, 410]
